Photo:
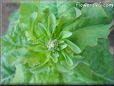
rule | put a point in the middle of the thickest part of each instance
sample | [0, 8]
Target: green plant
[51, 43]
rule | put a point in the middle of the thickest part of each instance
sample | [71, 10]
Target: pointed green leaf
[60, 23]
[63, 46]
[73, 47]
[67, 59]
[65, 34]
[51, 22]
[43, 29]
[60, 42]
[55, 56]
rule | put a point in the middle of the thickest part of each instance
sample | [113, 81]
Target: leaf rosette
[45, 43]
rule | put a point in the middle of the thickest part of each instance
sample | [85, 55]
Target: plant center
[52, 44]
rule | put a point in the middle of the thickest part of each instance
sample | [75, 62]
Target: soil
[7, 9]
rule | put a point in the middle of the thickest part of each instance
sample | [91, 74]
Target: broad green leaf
[26, 9]
[83, 74]
[73, 47]
[66, 8]
[102, 62]
[78, 12]
[7, 71]
[88, 36]
[36, 58]
[52, 76]
[90, 74]
[90, 16]
[95, 15]
[59, 8]
[20, 74]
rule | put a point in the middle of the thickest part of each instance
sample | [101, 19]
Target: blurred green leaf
[102, 61]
